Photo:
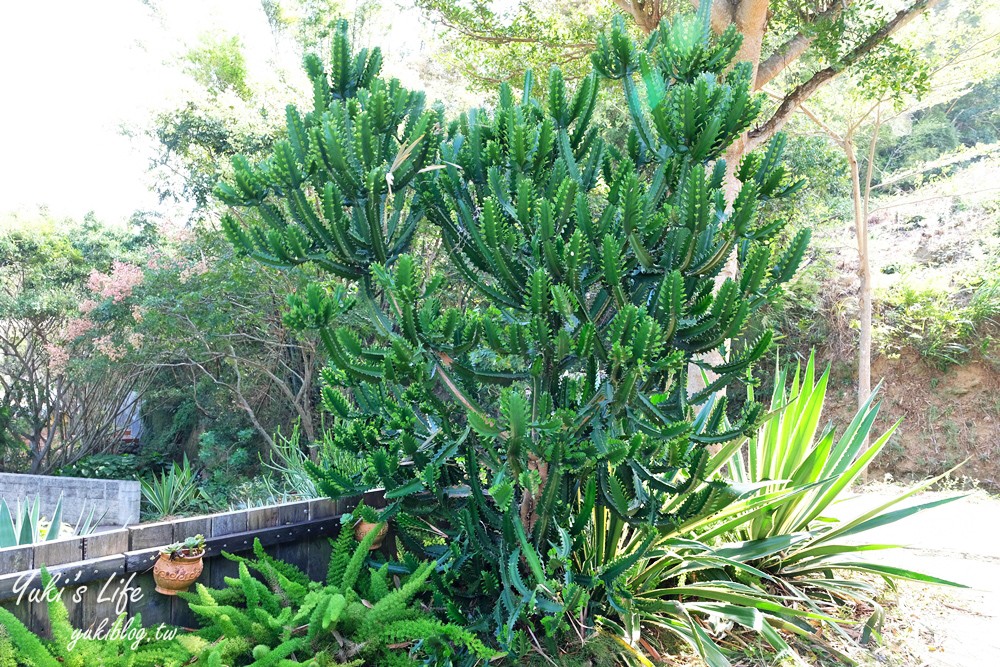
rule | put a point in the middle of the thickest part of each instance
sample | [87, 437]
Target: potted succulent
[367, 520]
[179, 565]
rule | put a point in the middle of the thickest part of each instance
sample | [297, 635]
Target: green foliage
[358, 616]
[891, 69]
[45, 268]
[71, 648]
[102, 466]
[171, 492]
[532, 400]
[24, 525]
[790, 451]
[218, 64]
[8, 658]
[788, 536]
[943, 328]
[287, 459]
[490, 43]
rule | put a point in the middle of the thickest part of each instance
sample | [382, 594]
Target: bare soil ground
[949, 416]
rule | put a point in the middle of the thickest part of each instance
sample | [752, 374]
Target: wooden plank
[374, 498]
[58, 552]
[295, 553]
[40, 619]
[17, 559]
[21, 611]
[77, 603]
[278, 535]
[68, 575]
[228, 523]
[110, 543]
[198, 525]
[318, 558]
[262, 517]
[149, 535]
[181, 614]
[154, 607]
[141, 561]
[293, 513]
[11, 585]
[322, 508]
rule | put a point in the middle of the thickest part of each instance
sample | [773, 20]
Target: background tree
[958, 52]
[63, 394]
[798, 46]
[224, 326]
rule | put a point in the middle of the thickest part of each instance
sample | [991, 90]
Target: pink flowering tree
[64, 393]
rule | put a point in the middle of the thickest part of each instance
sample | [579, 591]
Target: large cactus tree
[524, 401]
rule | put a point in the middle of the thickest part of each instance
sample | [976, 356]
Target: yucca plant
[673, 582]
[25, 525]
[171, 491]
[791, 530]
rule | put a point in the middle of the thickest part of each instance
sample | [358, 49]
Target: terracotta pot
[175, 575]
[362, 528]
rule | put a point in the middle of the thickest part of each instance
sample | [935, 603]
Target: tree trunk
[864, 275]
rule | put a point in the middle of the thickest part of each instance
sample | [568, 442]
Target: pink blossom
[88, 306]
[199, 268]
[58, 358]
[76, 327]
[117, 285]
[135, 340]
[106, 346]
[137, 313]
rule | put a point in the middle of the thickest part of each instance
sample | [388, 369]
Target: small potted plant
[179, 565]
[367, 520]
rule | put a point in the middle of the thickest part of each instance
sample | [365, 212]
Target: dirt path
[933, 625]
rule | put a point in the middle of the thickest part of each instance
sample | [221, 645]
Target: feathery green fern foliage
[525, 406]
[358, 616]
[122, 644]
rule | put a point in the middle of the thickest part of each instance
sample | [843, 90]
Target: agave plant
[172, 491]
[791, 531]
[774, 559]
[25, 525]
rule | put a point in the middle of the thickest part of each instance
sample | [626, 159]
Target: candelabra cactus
[527, 396]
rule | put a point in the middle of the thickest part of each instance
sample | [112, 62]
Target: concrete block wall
[117, 500]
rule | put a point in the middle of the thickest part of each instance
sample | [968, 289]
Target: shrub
[70, 648]
[943, 328]
[356, 617]
[525, 405]
[789, 532]
[102, 466]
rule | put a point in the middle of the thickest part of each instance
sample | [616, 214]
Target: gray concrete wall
[119, 499]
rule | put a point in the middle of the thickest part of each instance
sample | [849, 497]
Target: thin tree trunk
[865, 345]
[864, 274]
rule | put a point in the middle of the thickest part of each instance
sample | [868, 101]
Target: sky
[74, 73]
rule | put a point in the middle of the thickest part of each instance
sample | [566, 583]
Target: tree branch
[805, 90]
[790, 51]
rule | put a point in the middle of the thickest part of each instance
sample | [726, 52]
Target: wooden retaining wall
[102, 575]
